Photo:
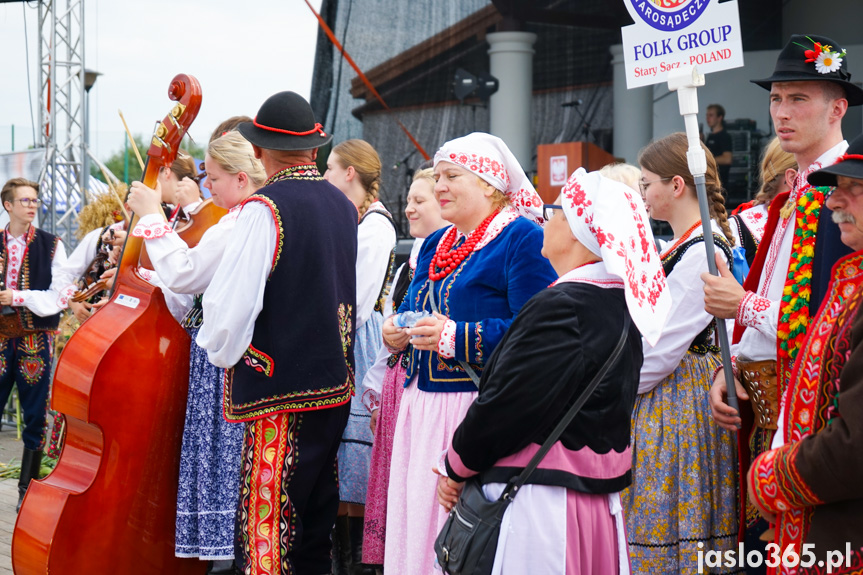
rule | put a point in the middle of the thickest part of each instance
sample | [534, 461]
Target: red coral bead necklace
[446, 260]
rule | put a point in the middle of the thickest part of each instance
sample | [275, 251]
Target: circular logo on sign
[668, 15]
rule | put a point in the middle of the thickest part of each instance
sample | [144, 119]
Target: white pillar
[511, 57]
[633, 112]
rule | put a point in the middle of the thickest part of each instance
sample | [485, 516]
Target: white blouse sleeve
[235, 295]
[77, 262]
[181, 268]
[373, 381]
[375, 240]
[45, 302]
[686, 319]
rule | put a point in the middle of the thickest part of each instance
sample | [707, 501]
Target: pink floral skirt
[375, 530]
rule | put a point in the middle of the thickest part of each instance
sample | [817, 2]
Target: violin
[109, 506]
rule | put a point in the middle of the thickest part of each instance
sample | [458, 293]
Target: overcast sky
[241, 52]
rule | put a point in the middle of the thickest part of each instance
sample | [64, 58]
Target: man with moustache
[810, 92]
[811, 485]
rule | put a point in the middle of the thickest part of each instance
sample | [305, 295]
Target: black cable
[29, 85]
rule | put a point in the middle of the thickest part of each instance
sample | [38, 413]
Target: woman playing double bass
[210, 458]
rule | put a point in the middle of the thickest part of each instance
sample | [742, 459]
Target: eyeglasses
[29, 202]
[644, 185]
[548, 211]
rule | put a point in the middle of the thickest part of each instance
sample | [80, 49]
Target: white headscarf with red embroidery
[489, 158]
[609, 219]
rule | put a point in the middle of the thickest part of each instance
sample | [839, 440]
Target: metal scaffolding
[62, 113]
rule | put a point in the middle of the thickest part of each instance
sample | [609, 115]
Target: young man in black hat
[811, 485]
[280, 316]
[810, 92]
[29, 260]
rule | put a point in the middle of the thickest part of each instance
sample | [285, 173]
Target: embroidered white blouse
[41, 302]
[181, 268]
[686, 319]
[376, 238]
[760, 310]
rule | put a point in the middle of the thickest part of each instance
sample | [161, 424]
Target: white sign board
[669, 34]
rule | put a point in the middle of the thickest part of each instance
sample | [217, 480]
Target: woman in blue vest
[479, 272]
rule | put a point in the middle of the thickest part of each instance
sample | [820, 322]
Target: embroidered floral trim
[259, 361]
[446, 343]
[298, 172]
[17, 298]
[756, 220]
[794, 313]
[752, 310]
[152, 231]
[481, 165]
[65, 295]
[146, 275]
[371, 400]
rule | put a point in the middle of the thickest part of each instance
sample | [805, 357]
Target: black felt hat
[285, 122]
[849, 165]
[804, 56]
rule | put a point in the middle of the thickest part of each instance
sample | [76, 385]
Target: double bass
[109, 506]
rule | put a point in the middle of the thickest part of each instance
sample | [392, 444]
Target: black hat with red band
[849, 165]
[285, 122]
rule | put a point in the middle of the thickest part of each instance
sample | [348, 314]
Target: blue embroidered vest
[482, 296]
[35, 275]
[301, 355]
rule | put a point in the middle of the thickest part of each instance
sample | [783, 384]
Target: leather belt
[759, 379]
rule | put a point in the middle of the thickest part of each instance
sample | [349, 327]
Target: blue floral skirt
[355, 452]
[209, 466]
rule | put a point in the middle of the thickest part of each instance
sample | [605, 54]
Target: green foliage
[117, 161]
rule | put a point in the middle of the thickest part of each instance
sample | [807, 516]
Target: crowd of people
[337, 407]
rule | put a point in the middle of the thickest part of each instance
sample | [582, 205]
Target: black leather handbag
[468, 541]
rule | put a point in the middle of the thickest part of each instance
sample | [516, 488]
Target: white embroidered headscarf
[489, 158]
[609, 219]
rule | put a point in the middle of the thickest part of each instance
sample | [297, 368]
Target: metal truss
[62, 110]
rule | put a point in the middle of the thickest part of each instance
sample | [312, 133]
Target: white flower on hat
[827, 62]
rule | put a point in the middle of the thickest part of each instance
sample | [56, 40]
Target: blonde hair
[623, 173]
[774, 164]
[427, 174]
[234, 154]
[667, 158]
[365, 160]
[103, 210]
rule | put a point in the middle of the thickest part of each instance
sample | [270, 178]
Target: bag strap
[470, 371]
[515, 484]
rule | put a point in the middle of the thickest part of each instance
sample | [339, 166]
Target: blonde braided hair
[365, 160]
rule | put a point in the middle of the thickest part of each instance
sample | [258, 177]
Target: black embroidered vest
[704, 341]
[35, 275]
[301, 355]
